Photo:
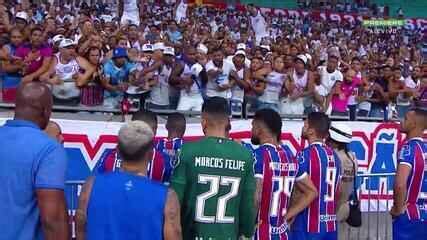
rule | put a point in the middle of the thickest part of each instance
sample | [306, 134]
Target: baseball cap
[240, 52]
[58, 38]
[66, 42]
[266, 47]
[158, 46]
[202, 48]
[303, 58]
[241, 46]
[147, 48]
[340, 132]
[169, 51]
[119, 53]
[22, 15]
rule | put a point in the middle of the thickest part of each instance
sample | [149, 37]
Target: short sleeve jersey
[323, 166]
[215, 184]
[277, 167]
[414, 154]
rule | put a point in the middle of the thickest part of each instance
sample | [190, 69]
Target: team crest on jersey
[175, 160]
[405, 152]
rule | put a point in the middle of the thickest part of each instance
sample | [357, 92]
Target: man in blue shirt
[32, 171]
[118, 72]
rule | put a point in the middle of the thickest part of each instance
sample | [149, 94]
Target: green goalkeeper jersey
[215, 184]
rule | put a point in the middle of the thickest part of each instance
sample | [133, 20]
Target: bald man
[32, 166]
[54, 131]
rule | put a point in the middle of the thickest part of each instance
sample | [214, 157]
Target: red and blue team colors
[318, 220]
[160, 168]
[170, 147]
[412, 224]
[277, 168]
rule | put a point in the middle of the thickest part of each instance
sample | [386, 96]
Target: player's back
[414, 153]
[277, 168]
[215, 184]
[322, 165]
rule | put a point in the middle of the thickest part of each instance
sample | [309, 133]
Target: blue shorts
[300, 235]
[404, 229]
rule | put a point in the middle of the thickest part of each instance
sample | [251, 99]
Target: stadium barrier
[376, 220]
[376, 223]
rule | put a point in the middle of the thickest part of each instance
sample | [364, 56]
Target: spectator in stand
[272, 84]
[122, 216]
[118, 71]
[191, 96]
[329, 76]
[300, 88]
[254, 88]
[67, 74]
[238, 90]
[160, 91]
[219, 80]
[92, 92]
[343, 92]
[12, 66]
[36, 55]
[366, 94]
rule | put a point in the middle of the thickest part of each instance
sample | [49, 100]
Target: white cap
[66, 42]
[22, 15]
[58, 38]
[169, 51]
[308, 56]
[240, 52]
[303, 58]
[241, 46]
[340, 132]
[159, 46]
[265, 47]
[147, 48]
[202, 48]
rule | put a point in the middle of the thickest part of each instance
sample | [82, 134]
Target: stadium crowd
[174, 56]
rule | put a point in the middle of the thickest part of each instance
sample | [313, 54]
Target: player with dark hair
[275, 171]
[175, 125]
[159, 169]
[214, 181]
[410, 185]
[321, 164]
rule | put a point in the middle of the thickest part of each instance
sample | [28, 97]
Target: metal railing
[376, 196]
[376, 221]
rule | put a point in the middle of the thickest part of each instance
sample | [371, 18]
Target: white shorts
[190, 102]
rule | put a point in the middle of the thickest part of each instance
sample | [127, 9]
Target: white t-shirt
[160, 93]
[65, 72]
[273, 88]
[181, 12]
[223, 78]
[259, 26]
[328, 80]
[237, 92]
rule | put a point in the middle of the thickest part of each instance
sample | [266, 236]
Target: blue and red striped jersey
[277, 167]
[322, 165]
[413, 153]
[170, 147]
[159, 169]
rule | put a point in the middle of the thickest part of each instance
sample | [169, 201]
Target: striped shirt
[159, 168]
[413, 154]
[322, 165]
[277, 168]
